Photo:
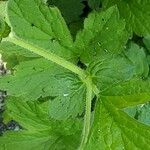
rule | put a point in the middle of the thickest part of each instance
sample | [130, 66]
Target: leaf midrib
[85, 78]
[48, 55]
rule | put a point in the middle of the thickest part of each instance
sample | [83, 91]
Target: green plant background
[79, 74]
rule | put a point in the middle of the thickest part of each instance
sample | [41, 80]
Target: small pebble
[13, 125]
[2, 128]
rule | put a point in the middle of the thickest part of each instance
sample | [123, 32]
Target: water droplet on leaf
[99, 44]
[65, 94]
[105, 50]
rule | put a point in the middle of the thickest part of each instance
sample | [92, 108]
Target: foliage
[76, 91]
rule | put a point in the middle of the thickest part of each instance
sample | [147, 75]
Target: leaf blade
[116, 130]
[44, 26]
[101, 31]
[39, 78]
[136, 14]
[38, 130]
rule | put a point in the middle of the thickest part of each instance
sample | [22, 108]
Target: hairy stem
[48, 55]
[73, 68]
[87, 117]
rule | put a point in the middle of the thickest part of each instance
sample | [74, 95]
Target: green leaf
[146, 41]
[136, 14]
[74, 27]
[129, 93]
[101, 31]
[39, 78]
[123, 78]
[140, 112]
[53, 93]
[3, 9]
[39, 141]
[32, 116]
[70, 9]
[94, 4]
[4, 28]
[13, 54]
[8, 49]
[144, 113]
[148, 59]
[114, 129]
[132, 111]
[110, 70]
[41, 26]
[39, 131]
[24, 140]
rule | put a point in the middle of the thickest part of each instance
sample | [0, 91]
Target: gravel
[2, 97]
[11, 125]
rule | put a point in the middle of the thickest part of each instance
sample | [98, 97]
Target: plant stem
[87, 117]
[73, 68]
[48, 55]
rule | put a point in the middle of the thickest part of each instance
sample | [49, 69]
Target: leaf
[40, 25]
[123, 81]
[53, 93]
[132, 111]
[39, 131]
[32, 116]
[129, 93]
[110, 70]
[94, 4]
[144, 114]
[146, 41]
[4, 28]
[114, 129]
[39, 141]
[136, 14]
[101, 31]
[8, 49]
[148, 59]
[74, 27]
[141, 113]
[123, 78]
[3, 9]
[71, 10]
[13, 54]
[25, 140]
[39, 78]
